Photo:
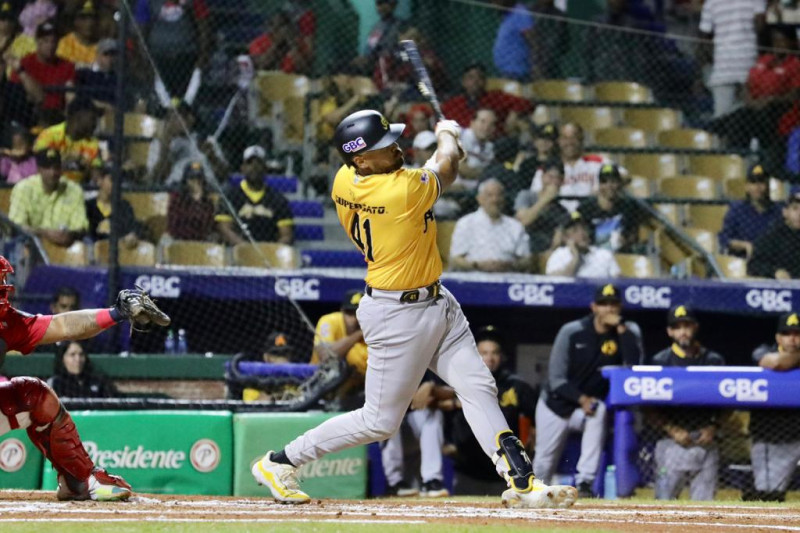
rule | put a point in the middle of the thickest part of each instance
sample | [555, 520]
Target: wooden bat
[410, 53]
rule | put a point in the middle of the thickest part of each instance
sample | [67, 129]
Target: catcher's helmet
[364, 131]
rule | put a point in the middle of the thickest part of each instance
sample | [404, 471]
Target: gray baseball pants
[404, 340]
[426, 426]
[774, 464]
[676, 464]
[551, 436]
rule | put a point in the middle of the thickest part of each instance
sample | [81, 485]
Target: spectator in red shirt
[507, 107]
[190, 214]
[283, 46]
[36, 74]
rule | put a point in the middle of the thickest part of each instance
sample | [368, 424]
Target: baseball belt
[411, 296]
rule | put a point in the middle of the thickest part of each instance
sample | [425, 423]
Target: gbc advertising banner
[341, 475]
[163, 452]
[20, 462]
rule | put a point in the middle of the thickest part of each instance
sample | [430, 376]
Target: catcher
[28, 403]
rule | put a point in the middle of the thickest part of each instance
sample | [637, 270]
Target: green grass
[243, 527]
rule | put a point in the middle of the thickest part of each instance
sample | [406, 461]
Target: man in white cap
[424, 145]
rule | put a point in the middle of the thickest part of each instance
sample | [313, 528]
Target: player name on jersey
[368, 209]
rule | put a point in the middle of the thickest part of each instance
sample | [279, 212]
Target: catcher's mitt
[137, 307]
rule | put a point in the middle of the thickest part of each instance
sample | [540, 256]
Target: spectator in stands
[573, 398]
[382, 38]
[277, 350]
[74, 377]
[283, 46]
[65, 299]
[687, 450]
[512, 45]
[178, 38]
[516, 398]
[418, 118]
[462, 108]
[424, 145]
[18, 162]
[477, 144]
[177, 148]
[14, 44]
[33, 74]
[487, 240]
[99, 212]
[339, 335]
[612, 214]
[580, 170]
[545, 137]
[100, 81]
[80, 45]
[783, 12]
[190, 213]
[747, 220]
[36, 12]
[734, 28]
[75, 141]
[341, 96]
[541, 213]
[48, 204]
[775, 253]
[549, 40]
[578, 257]
[265, 211]
[775, 451]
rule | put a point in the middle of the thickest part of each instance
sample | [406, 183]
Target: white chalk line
[215, 520]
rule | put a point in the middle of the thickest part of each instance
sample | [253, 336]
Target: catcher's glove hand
[137, 307]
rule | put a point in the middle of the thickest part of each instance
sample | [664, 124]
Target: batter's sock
[280, 457]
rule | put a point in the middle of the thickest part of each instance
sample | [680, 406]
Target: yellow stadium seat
[636, 266]
[708, 217]
[143, 254]
[74, 255]
[673, 212]
[706, 239]
[717, 166]
[275, 85]
[195, 253]
[734, 188]
[265, 255]
[698, 187]
[686, 139]
[778, 190]
[621, 138]
[135, 125]
[622, 91]
[363, 85]
[444, 235]
[543, 114]
[651, 120]
[507, 86]
[731, 266]
[640, 187]
[651, 165]
[558, 90]
[5, 199]
[150, 208]
[589, 118]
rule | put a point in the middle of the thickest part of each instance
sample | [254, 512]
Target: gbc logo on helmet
[354, 146]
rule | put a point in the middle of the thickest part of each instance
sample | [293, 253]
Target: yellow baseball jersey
[331, 328]
[389, 217]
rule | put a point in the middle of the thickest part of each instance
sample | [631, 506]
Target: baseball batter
[409, 320]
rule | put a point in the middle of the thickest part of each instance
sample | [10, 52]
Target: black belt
[410, 296]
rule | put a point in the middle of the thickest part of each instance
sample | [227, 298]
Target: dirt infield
[38, 506]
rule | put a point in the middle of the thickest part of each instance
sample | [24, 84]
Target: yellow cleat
[541, 496]
[280, 479]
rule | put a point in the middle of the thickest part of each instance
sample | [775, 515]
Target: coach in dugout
[776, 432]
[572, 399]
[688, 450]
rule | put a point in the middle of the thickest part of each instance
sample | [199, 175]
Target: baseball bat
[410, 53]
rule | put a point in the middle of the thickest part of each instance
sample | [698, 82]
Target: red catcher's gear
[6, 289]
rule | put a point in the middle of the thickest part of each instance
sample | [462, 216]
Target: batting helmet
[6, 289]
[364, 131]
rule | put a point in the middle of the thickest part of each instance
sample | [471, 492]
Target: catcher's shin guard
[519, 470]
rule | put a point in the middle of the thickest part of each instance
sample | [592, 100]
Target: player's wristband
[108, 317]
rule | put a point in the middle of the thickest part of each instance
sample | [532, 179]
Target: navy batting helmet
[364, 131]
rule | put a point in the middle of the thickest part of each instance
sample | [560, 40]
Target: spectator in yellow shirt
[14, 44]
[75, 141]
[80, 46]
[340, 334]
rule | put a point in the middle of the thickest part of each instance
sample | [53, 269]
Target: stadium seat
[651, 165]
[265, 255]
[444, 234]
[673, 212]
[622, 91]
[708, 217]
[734, 188]
[333, 258]
[308, 232]
[732, 266]
[697, 187]
[543, 114]
[640, 187]
[150, 208]
[194, 253]
[558, 90]
[636, 266]
[143, 254]
[705, 238]
[5, 199]
[621, 138]
[283, 100]
[507, 86]
[363, 85]
[74, 255]
[718, 166]
[589, 118]
[275, 85]
[307, 208]
[778, 190]
[651, 120]
[686, 139]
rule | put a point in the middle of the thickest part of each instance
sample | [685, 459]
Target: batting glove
[448, 126]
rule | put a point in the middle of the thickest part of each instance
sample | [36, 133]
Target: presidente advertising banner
[341, 475]
[20, 462]
[163, 452]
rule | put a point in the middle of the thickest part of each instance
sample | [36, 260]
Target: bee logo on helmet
[6, 289]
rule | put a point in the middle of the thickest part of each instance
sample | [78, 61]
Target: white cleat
[280, 479]
[541, 496]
